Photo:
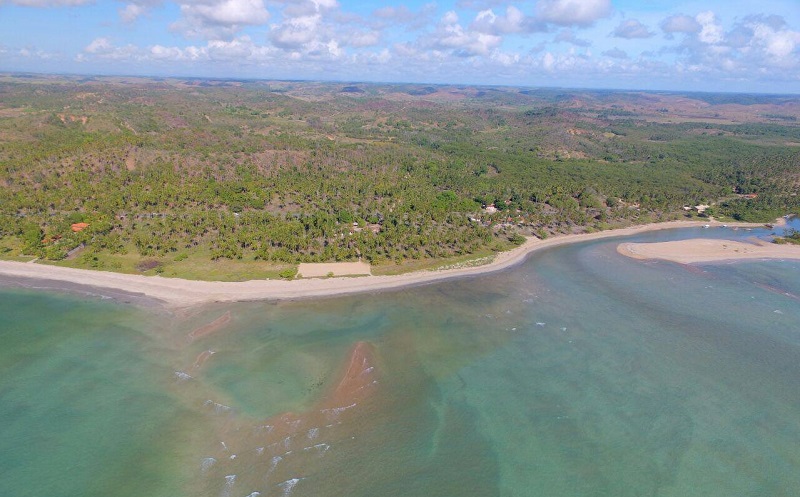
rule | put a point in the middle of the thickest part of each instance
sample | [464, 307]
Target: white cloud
[680, 24]
[405, 50]
[548, 61]
[35, 53]
[488, 22]
[756, 47]
[776, 44]
[450, 36]
[296, 32]
[98, 45]
[215, 19]
[710, 30]
[616, 53]
[300, 8]
[450, 17]
[479, 4]
[573, 12]
[229, 12]
[361, 39]
[399, 14]
[241, 48]
[131, 12]
[159, 52]
[632, 28]
[49, 3]
[568, 36]
[238, 51]
[103, 48]
[383, 56]
[504, 58]
[134, 9]
[402, 15]
[774, 39]
[478, 41]
[309, 29]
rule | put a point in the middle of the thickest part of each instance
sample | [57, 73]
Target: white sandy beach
[177, 293]
[707, 250]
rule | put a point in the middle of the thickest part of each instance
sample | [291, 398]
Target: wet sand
[177, 293]
[13, 280]
[706, 250]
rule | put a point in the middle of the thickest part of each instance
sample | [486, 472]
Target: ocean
[578, 373]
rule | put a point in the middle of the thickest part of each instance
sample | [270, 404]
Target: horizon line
[13, 73]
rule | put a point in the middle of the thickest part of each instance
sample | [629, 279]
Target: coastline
[180, 293]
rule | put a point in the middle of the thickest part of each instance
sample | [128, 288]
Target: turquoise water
[579, 373]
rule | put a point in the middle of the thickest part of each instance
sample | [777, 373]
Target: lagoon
[578, 373]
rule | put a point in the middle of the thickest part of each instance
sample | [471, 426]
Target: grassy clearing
[195, 266]
[16, 258]
[10, 250]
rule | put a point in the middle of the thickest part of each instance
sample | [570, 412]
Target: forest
[167, 175]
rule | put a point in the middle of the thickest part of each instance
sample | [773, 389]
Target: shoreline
[178, 293]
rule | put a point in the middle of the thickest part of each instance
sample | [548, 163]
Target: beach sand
[706, 250]
[178, 293]
[324, 269]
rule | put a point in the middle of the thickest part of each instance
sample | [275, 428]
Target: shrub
[516, 239]
[288, 273]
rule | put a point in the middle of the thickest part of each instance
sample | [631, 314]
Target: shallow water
[579, 373]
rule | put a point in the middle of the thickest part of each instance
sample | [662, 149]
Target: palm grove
[305, 172]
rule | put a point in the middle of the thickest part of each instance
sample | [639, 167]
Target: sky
[700, 45]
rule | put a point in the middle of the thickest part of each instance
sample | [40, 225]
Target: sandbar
[181, 293]
[704, 250]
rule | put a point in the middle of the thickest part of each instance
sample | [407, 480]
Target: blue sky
[710, 45]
